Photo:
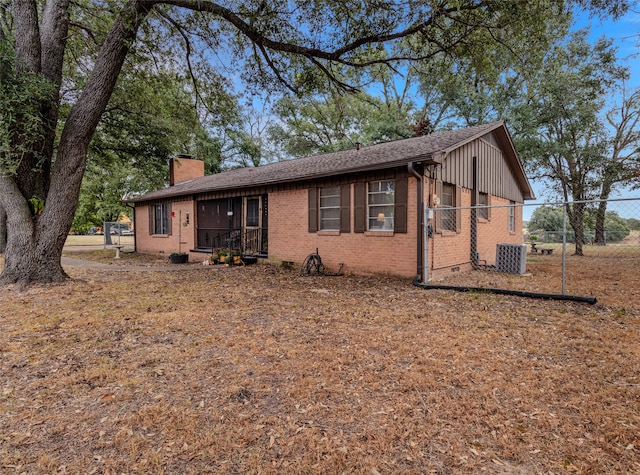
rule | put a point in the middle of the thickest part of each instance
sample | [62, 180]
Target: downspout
[518, 293]
[411, 169]
[474, 215]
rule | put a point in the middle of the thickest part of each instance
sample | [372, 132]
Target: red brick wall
[372, 252]
[381, 252]
[449, 252]
[496, 229]
[449, 249]
[183, 169]
[182, 235]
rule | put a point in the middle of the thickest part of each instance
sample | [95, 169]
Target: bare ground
[259, 370]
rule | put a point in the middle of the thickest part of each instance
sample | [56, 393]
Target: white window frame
[328, 210]
[512, 217]
[380, 214]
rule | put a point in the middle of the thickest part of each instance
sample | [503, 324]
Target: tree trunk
[36, 262]
[28, 54]
[3, 230]
[35, 240]
[575, 212]
[31, 254]
[600, 237]
[601, 212]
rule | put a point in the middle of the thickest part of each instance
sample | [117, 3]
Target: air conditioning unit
[511, 258]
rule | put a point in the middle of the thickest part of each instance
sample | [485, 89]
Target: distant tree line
[546, 223]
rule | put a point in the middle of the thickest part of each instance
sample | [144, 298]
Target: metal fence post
[425, 244]
[564, 247]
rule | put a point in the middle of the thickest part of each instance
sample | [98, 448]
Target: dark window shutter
[169, 220]
[345, 199]
[151, 216]
[437, 212]
[313, 209]
[457, 204]
[400, 205]
[359, 207]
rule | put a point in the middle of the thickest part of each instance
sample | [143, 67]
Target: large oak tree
[559, 131]
[292, 43]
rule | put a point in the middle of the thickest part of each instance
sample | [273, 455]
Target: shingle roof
[384, 155]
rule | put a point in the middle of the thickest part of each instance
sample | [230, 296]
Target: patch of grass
[107, 256]
[97, 240]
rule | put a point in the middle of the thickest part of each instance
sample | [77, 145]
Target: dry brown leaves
[259, 370]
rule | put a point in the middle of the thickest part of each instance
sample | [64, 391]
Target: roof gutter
[412, 171]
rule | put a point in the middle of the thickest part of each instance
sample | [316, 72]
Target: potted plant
[534, 242]
[179, 257]
[223, 252]
[237, 257]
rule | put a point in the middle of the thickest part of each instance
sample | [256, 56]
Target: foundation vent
[511, 258]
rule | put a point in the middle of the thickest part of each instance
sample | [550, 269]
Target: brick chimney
[183, 168]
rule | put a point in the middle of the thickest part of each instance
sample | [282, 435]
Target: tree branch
[337, 55]
[275, 70]
[187, 43]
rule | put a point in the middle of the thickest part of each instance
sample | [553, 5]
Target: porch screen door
[252, 224]
[252, 216]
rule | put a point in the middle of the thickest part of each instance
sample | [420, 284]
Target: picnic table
[543, 250]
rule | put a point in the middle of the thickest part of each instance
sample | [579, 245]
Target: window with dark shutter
[345, 201]
[329, 209]
[447, 204]
[359, 207]
[380, 205]
[448, 215]
[313, 210]
[160, 218]
[400, 205]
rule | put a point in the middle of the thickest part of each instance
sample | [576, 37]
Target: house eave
[429, 151]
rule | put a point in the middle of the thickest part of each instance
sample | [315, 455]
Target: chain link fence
[117, 234]
[587, 248]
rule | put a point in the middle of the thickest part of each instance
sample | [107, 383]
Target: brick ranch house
[362, 208]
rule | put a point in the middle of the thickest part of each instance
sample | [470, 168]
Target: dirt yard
[258, 370]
